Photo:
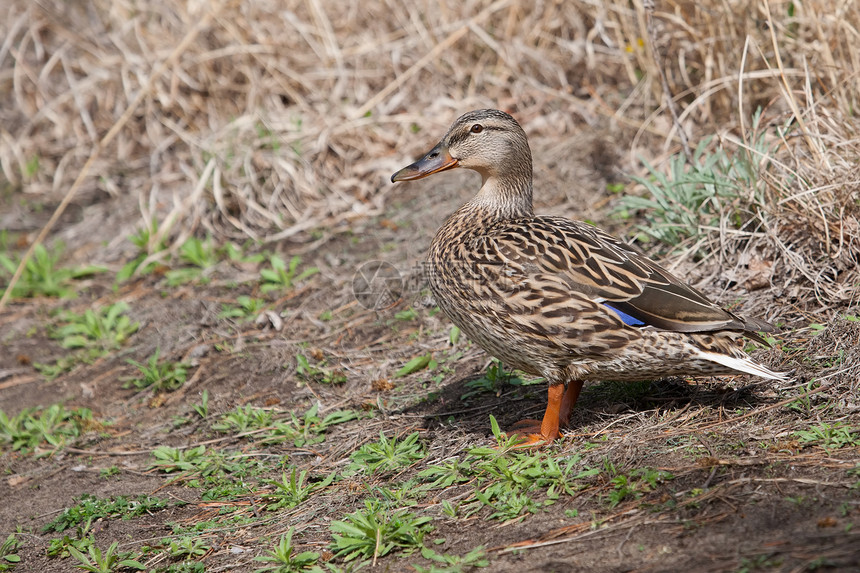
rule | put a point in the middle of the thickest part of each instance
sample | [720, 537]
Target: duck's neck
[502, 198]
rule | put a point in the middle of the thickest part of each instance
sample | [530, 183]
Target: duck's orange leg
[549, 425]
[571, 395]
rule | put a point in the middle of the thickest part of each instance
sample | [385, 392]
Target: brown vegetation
[279, 122]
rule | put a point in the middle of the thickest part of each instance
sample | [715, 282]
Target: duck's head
[488, 141]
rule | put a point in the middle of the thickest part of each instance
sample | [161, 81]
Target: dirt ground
[747, 484]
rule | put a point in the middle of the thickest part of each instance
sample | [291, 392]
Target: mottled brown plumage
[559, 298]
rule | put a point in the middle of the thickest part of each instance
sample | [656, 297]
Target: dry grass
[272, 119]
[281, 121]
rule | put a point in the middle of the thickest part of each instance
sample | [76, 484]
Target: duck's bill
[438, 159]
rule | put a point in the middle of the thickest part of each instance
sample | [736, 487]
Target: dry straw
[267, 120]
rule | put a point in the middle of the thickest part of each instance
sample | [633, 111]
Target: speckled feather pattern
[535, 291]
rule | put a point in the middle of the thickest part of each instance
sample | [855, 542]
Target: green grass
[143, 240]
[8, 553]
[830, 436]
[197, 257]
[163, 376]
[92, 334]
[42, 276]
[247, 308]
[689, 199]
[280, 276]
[319, 371]
[293, 489]
[111, 560]
[91, 508]
[101, 329]
[52, 426]
[282, 558]
[387, 454]
[376, 531]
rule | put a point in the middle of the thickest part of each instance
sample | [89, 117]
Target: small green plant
[186, 547]
[199, 256]
[102, 329]
[41, 275]
[8, 556]
[493, 381]
[81, 540]
[319, 372]
[292, 490]
[90, 508]
[245, 419]
[375, 532]
[247, 308]
[634, 485]
[170, 460]
[202, 408]
[54, 425]
[109, 472]
[283, 560]
[143, 240]
[695, 195]
[830, 436]
[416, 364]
[97, 562]
[477, 557]
[387, 454]
[164, 377]
[281, 276]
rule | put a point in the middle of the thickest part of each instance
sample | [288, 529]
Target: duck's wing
[609, 271]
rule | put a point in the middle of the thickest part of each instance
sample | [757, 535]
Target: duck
[559, 298]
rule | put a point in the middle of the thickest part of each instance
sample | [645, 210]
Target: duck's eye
[477, 128]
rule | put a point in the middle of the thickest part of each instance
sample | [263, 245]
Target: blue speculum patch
[628, 320]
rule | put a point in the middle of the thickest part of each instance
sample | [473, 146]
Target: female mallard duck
[558, 298]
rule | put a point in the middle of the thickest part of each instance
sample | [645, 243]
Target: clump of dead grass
[273, 119]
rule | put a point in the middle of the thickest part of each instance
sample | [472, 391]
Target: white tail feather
[745, 364]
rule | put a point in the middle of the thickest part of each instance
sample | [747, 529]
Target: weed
[97, 562]
[42, 277]
[169, 459]
[281, 276]
[59, 546]
[493, 380]
[416, 364]
[292, 490]
[406, 315]
[143, 240]
[245, 419]
[102, 329]
[90, 508]
[505, 478]
[202, 408]
[53, 425]
[301, 431]
[8, 556]
[387, 454]
[693, 196]
[634, 485]
[318, 373]
[375, 532]
[830, 436]
[283, 560]
[109, 472]
[247, 308]
[477, 557]
[186, 547]
[199, 255]
[164, 377]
